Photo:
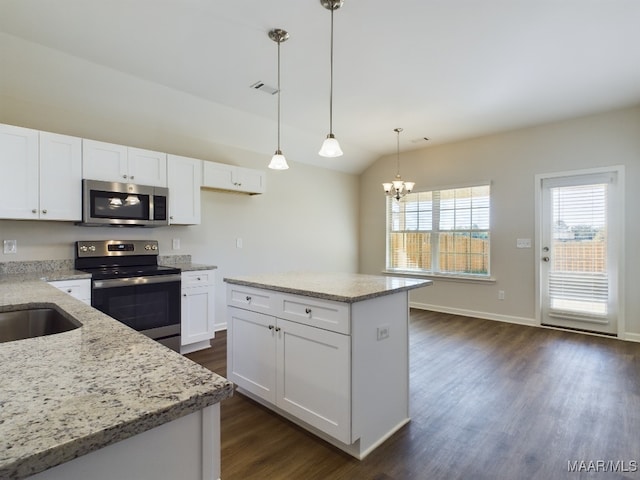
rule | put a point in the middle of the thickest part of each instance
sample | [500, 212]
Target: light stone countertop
[340, 287]
[68, 394]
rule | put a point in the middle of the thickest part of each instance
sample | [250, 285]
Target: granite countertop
[340, 287]
[72, 393]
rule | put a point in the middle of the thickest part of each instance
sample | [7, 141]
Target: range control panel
[109, 248]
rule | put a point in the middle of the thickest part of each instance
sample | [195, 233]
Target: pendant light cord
[279, 95]
[331, 82]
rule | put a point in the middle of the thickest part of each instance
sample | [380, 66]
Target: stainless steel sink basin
[33, 322]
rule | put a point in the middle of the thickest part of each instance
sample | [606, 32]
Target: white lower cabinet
[303, 370]
[80, 289]
[197, 310]
[323, 364]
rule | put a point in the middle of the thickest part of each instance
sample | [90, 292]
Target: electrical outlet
[500, 294]
[238, 242]
[10, 246]
[176, 244]
[383, 332]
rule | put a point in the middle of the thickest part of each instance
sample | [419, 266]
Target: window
[440, 232]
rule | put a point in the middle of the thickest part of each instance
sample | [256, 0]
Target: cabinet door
[80, 289]
[314, 377]
[218, 175]
[251, 352]
[184, 180]
[60, 177]
[19, 167]
[104, 161]
[147, 167]
[250, 181]
[197, 315]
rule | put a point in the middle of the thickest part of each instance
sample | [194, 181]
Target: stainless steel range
[128, 284]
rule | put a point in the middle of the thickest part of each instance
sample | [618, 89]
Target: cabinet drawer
[250, 298]
[326, 314]
[197, 278]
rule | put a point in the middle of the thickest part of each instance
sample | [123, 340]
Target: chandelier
[398, 188]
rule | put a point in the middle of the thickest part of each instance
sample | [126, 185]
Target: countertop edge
[325, 295]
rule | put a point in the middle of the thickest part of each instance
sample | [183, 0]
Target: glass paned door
[578, 255]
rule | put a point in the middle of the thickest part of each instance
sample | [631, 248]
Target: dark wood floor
[489, 400]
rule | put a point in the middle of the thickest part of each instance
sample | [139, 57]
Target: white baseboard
[631, 337]
[532, 322]
[219, 327]
[473, 313]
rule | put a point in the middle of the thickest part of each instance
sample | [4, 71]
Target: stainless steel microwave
[124, 204]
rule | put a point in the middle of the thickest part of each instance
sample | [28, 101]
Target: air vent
[263, 87]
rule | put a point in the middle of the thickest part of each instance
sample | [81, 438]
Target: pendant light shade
[398, 188]
[330, 146]
[278, 161]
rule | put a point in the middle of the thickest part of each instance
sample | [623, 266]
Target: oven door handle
[135, 281]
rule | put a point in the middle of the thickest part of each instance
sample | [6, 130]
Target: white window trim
[462, 277]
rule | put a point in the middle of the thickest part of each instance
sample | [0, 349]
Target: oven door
[150, 305]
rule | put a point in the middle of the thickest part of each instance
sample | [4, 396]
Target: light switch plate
[523, 243]
[10, 246]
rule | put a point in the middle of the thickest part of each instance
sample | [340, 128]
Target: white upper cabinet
[184, 180]
[60, 177]
[41, 175]
[229, 177]
[117, 163]
[19, 180]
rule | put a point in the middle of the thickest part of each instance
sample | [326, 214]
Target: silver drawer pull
[271, 327]
[248, 298]
[307, 310]
[278, 329]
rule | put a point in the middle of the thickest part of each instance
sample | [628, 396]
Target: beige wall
[307, 219]
[511, 161]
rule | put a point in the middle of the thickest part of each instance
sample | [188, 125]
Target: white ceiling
[444, 69]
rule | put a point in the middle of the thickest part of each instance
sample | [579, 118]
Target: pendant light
[330, 146]
[398, 188]
[278, 161]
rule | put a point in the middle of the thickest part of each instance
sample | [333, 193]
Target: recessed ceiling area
[443, 70]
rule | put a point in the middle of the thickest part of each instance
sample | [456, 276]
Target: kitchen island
[328, 351]
[101, 401]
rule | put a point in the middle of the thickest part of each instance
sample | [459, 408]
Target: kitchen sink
[34, 322]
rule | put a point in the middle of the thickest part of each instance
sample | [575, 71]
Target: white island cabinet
[327, 351]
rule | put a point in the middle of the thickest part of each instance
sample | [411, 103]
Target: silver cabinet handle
[69, 290]
[248, 298]
[271, 327]
[34, 211]
[278, 329]
[44, 211]
[199, 278]
[131, 177]
[307, 310]
[124, 176]
[545, 259]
